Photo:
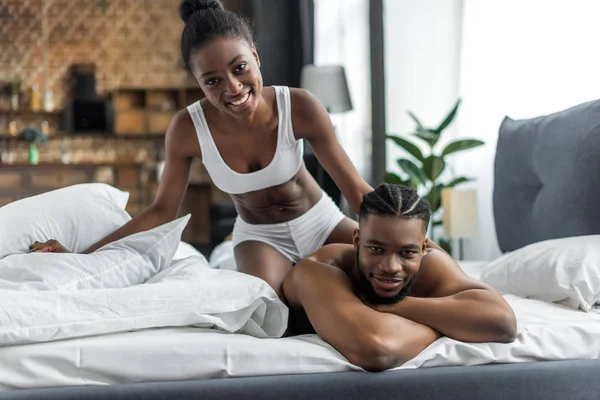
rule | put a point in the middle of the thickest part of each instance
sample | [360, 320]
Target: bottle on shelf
[35, 102]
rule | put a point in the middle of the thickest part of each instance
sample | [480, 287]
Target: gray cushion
[547, 177]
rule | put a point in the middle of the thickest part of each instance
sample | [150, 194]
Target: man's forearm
[369, 339]
[469, 316]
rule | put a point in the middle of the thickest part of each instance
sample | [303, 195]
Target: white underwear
[295, 239]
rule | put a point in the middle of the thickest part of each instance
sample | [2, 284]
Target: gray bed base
[549, 380]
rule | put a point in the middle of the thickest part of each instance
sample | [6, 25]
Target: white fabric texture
[185, 250]
[565, 271]
[546, 331]
[286, 161]
[126, 262]
[188, 293]
[223, 257]
[159, 355]
[77, 216]
[297, 238]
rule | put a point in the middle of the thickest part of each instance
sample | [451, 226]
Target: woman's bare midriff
[279, 203]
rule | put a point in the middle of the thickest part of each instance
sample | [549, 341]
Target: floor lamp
[460, 215]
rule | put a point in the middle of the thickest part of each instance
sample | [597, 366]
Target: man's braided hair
[395, 201]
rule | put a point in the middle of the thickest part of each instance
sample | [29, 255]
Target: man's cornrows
[395, 201]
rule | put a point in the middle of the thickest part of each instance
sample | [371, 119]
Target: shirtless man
[385, 298]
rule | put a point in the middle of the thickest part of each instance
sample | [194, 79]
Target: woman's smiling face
[228, 72]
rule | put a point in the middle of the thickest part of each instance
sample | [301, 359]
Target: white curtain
[521, 58]
[421, 50]
[342, 38]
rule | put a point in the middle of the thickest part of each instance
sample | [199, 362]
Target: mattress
[546, 332]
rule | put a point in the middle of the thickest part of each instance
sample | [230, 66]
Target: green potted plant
[425, 170]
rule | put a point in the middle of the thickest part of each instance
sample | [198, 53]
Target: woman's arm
[171, 188]
[312, 122]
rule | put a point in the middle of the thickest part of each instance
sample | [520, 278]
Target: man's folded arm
[369, 339]
[458, 306]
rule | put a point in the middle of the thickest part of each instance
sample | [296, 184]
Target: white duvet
[546, 332]
[189, 298]
[187, 293]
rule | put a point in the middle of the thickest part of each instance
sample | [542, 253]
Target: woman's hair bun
[187, 8]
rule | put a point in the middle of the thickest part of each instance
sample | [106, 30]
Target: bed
[556, 354]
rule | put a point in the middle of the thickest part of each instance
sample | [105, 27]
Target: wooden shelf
[29, 112]
[74, 164]
[149, 110]
[57, 135]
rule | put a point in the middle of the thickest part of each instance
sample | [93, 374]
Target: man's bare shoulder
[437, 257]
[337, 254]
[322, 267]
[436, 266]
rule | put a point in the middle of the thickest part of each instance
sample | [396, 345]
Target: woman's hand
[51, 246]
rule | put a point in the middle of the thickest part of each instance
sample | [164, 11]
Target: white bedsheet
[162, 355]
[546, 332]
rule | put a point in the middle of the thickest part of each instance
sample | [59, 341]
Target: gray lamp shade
[329, 85]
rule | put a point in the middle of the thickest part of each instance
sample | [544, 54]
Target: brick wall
[133, 43]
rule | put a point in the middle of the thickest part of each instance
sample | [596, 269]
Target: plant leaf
[458, 181]
[428, 136]
[434, 197]
[392, 178]
[433, 166]
[414, 118]
[415, 173]
[426, 133]
[460, 145]
[449, 118]
[437, 223]
[411, 148]
[411, 184]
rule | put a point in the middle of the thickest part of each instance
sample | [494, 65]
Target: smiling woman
[251, 143]
[250, 139]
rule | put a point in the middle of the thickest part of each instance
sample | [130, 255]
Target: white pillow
[565, 271]
[223, 256]
[185, 250]
[126, 262]
[77, 216]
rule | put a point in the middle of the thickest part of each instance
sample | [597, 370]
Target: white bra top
[285, 164]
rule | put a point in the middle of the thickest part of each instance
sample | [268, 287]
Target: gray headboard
[547, 177]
